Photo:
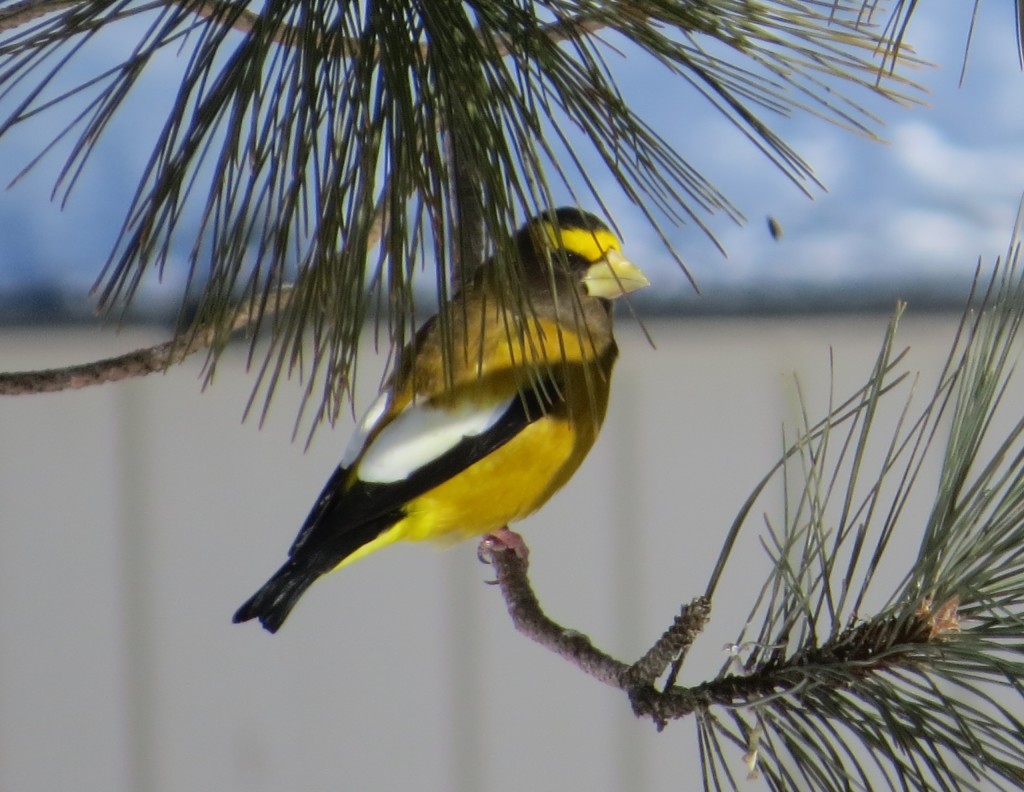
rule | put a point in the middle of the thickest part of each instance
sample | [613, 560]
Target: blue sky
[910, 214]
[916, 210]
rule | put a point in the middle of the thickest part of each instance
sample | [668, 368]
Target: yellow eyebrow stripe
[592, 245]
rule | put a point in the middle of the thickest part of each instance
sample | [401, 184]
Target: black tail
[275, 600]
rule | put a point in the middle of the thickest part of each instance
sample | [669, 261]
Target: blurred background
[137, 516]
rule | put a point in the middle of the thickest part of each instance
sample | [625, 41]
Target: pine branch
[289, 122]
[247, 318]
[137, 363]
[869, 648]
[247, 21]
[529, 619]
[926, 692]
[635, 679]
[23, 12]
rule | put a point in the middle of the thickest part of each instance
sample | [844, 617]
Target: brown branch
[531, 621]
[22, 13]
[132, 364]
[137, 363]
[636, 679]
[246, 21]
[867, 648]
[673, 645]
[162, 356]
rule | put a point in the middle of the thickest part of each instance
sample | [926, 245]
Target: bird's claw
[502, 540]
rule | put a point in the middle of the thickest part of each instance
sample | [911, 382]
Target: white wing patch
[363, 429]
[419, 435]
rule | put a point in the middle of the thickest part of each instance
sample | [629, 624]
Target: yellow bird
[461, 447]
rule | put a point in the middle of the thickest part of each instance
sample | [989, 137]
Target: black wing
[343, 520]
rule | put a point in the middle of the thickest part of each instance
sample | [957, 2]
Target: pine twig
[871, 647]
[245, 21]
[674, 643]
[22, 13]
[137, 363]
[160, 357]
[529, 619]
[636, 679]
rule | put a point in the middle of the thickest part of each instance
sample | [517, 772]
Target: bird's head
[586, 245]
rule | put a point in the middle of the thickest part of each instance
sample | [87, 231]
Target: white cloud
[958, 170]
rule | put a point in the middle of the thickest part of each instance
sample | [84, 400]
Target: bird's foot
[502, 539]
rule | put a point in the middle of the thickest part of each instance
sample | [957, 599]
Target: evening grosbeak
[490, 411]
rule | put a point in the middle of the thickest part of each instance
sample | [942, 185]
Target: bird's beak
[613, 276]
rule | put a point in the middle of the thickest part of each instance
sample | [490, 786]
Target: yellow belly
[497, 490]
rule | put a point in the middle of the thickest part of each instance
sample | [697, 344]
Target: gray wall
[134, 519]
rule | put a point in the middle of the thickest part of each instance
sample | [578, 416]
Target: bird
[489, 410]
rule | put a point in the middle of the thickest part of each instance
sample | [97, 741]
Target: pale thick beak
[613, 276]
